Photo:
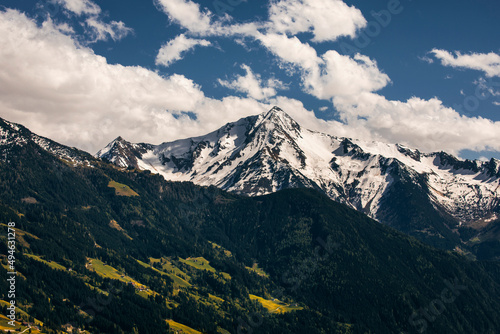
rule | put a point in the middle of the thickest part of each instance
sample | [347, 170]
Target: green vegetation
[198, 263]
[122, 189]
[114, 224]
[21, 232]
[169, 267]
[51, 264]
[106, 293]
[4, 321]
[181, 328]
[226, 252]
[217, 299]
[178, 282]
[255, 268]
[202, 264]
[108, 271]
[348, 273]
[20, 235]
[6, 327]
[276, 306]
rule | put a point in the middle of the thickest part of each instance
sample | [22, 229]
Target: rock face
[426, 195]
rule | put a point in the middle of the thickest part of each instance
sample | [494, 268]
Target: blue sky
[421, 73]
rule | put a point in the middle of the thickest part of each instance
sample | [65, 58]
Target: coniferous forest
[109, 250]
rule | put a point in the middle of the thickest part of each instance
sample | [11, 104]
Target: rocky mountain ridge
[265, 153]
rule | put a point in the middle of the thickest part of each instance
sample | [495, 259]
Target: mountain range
[435, 197]
[107, 249]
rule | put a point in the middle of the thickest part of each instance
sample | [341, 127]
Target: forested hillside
[111, 250]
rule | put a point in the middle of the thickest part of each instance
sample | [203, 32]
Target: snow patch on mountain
[262, 154]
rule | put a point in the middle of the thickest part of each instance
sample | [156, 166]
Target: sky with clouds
[425, 74]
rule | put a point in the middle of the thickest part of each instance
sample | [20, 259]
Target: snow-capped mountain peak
[261, 154]
[277, 119]
[122, 153]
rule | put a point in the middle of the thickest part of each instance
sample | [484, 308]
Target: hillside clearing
[122, 189]
[275, 306]
[182, 328]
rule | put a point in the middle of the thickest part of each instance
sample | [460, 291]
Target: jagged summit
[276, 115]
[276, 109]
[261, 154]
[123, 153]
[277, 119]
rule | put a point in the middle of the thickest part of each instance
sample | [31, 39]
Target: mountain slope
[262, 154]
[316, 245]
[14, 135]
[344, 272]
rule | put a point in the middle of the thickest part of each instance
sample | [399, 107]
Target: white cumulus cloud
[80, 7]
[489, 63]
[64, 91]
[187, 14]
[424, 124]
[342, 75]
[350, 83]
[101, 31]
[97, 29]
[330, 75]
[290, 50]
[326, 19]
[176, 48]
[253, 85]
